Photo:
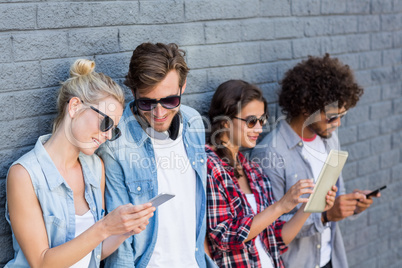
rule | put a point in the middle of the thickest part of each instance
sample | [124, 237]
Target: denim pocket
[140, 187]
[56, 229]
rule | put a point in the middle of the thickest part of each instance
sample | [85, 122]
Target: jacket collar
[52, 174]
[289, 135]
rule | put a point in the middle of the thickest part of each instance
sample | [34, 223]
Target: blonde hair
[87, 85]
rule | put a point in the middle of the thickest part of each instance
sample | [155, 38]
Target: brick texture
[253, 40]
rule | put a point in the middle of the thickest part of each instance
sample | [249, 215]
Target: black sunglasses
[107, 123]
[251, 121]
[170, 102]
[334, 117]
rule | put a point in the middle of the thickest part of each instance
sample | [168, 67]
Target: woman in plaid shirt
[242, 220]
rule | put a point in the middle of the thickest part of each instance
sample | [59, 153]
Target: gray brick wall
[254, 40]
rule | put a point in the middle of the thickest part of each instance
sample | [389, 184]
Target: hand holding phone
[376, 191]
[160, 199]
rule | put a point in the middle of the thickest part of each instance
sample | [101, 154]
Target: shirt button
[193, 163]
[317, 266]
[196, 249]
[318, 246]
[98, 257]
[295, 175]
[300, 144]
[186, 145]
[202, 160]
[94, 208]
[138, 188]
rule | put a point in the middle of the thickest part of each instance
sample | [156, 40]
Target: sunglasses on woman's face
[170, 102]
[334, 117]
[106, 124]
[251, 121]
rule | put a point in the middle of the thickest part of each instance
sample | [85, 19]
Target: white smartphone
[328, 176]
[160, 199]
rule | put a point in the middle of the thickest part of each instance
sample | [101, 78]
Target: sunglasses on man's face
[106, 124]
[251, 121]
[334, 117]
[170, 102]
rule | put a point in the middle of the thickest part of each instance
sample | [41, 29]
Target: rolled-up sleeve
[278, 226]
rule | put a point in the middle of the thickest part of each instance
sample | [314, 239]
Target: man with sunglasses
[161, 150]
[314, 96]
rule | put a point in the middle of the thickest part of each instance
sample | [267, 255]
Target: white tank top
[82, 223]
[265, 258]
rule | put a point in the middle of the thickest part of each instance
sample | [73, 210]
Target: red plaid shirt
[229, 215]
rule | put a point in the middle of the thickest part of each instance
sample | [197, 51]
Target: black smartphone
[376, 191]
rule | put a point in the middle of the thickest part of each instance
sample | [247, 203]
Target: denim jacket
[131, 177]
[56, 199]
[280, 156]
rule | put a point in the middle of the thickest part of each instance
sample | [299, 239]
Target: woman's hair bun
[82, 67]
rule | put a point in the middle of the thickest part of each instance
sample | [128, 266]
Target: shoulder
[188, 111]
[26, 164]
[191, 116]
[273, 142]
[28, 158]
[251, 164]
[214, 162]
[19, 181]
[19, 172]
[217, 175]
[111, 148]
[211, 155]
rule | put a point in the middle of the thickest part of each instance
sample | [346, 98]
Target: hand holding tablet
[328, 176]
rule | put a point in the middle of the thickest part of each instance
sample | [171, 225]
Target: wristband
[324, 215]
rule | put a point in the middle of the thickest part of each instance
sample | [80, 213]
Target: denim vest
[131, 177]
[56, 199]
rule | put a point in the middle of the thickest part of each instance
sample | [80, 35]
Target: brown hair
[229, 98]
[315, 83]
[150, 63]
[88, 86]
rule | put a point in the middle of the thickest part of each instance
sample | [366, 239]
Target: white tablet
[328, 176]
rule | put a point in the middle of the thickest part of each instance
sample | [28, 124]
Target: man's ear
[73, 106]
[183, 88]
[305, 113]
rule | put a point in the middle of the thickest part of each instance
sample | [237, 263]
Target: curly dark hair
[315, 83]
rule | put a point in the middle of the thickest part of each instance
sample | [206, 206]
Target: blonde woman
[55, 191]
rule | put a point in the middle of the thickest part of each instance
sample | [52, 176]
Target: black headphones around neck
[172, 132]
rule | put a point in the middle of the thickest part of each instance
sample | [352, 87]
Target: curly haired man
[314, 96]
